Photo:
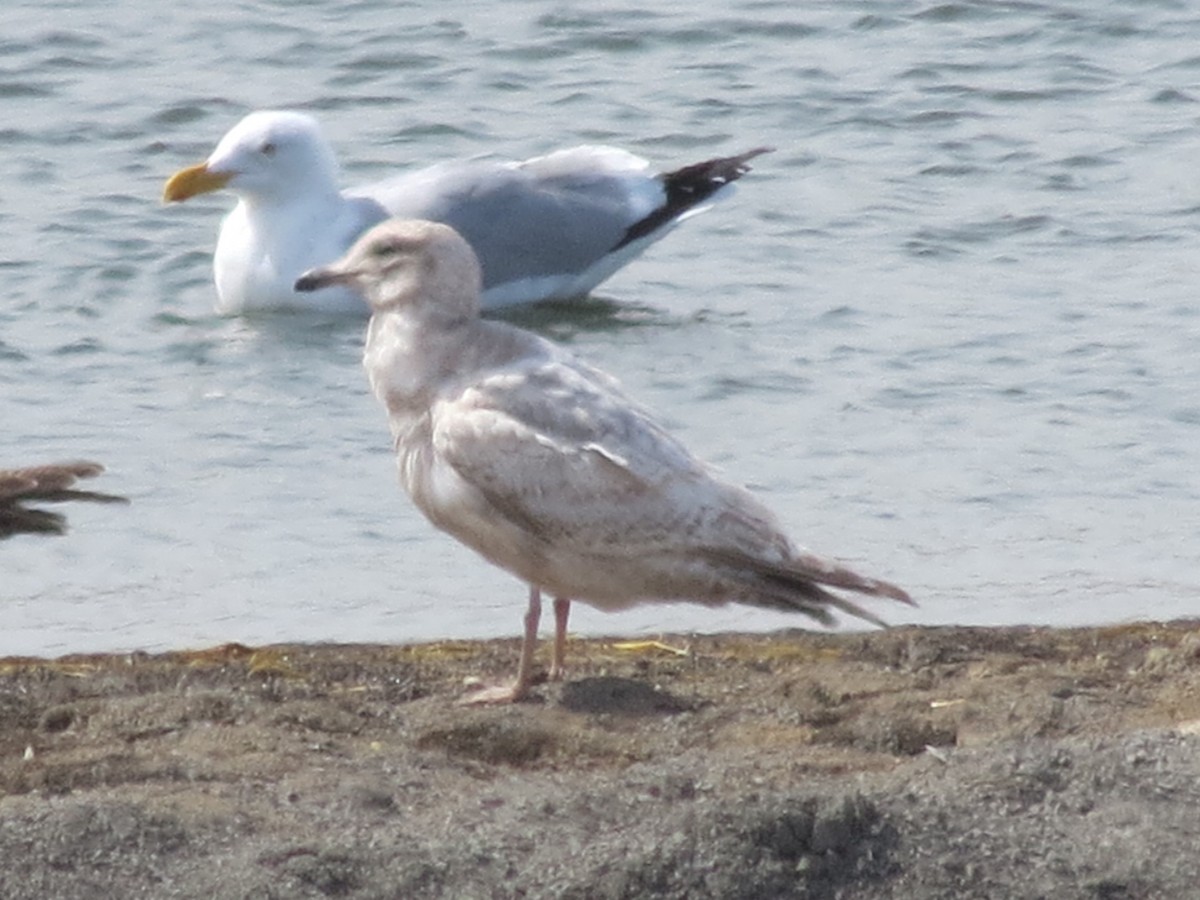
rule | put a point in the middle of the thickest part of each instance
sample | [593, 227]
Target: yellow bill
[192, 181]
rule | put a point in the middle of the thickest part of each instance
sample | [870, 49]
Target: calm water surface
[948, 331]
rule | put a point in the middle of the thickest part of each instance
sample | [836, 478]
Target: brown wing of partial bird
[53, 483]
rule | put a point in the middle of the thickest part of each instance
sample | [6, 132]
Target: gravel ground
[908, 763]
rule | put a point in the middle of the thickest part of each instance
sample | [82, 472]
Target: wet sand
[909, 763]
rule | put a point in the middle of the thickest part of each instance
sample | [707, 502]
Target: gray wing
[556, 214]
[572, 461]
[567, 459]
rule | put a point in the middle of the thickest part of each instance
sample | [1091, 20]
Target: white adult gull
[542, 465]
[551, 227]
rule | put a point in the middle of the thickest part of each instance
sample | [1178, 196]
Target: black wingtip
[711, 175]
[690, 186]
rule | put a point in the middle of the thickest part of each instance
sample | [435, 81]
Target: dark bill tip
[313, 280]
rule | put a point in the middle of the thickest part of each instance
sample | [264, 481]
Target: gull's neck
[414, 358]
[408, 358]
[272, 204]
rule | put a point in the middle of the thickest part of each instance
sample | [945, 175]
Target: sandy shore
[910, 763]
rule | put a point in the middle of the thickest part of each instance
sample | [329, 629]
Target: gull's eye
[267, 149]
[390, 247]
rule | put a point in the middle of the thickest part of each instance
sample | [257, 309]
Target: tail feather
[831, 573]
[16, 519]
[38, 481]
[690, 186]
[54, 483]
[801, 585]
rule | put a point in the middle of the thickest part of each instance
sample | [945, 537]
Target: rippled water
[949, 330]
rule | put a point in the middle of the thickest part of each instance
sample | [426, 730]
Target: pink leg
[562, 609]
[519, 688]
[533, 615]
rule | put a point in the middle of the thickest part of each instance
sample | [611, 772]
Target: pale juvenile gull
[48, 483]
[541, 464]
[551, 227]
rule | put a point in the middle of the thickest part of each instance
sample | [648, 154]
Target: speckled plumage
[540, 462]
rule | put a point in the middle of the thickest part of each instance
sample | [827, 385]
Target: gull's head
[270, 155]
[410, 264]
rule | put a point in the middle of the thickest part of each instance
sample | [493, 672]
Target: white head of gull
[541, 464]
[550, 227]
